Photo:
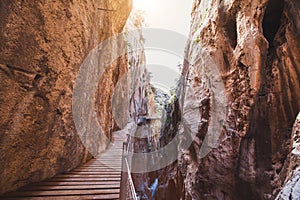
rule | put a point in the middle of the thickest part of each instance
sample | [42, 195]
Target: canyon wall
[290, 189]
[255, 46]
[42, 45]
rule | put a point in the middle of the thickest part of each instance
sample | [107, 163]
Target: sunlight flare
[145, 5]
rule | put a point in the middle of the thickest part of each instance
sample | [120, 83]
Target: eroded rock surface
[291, 188]
[255, 46]
[42, 45]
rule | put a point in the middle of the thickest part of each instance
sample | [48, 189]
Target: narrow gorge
[78, 89]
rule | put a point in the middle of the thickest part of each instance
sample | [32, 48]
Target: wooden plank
[71, 197]
[119, 160]
[100, 166]
[93, 169]
[116, 161]
[94, 172]
[110, 157]
[62, 183]
[114, 149]
[88, 175]
[70, 187]
[99, 161]
[107, 165]
[84, 179]
[104, 166]
[99, 170]
[87, 171]
[64, 192]
[104, 163]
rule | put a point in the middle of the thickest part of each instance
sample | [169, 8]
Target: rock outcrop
[255, 46]
[291, 188]
[42, 45]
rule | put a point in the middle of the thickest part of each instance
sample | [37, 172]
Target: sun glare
[145, 5]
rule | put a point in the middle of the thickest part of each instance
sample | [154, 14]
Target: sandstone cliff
[255, 46]
[42, 45]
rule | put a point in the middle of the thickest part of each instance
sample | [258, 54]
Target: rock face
[139, 95]
[291, 189]
[255, 46]
[42, 45]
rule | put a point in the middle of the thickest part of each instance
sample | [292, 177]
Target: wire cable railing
[128, 191]
[132, 193]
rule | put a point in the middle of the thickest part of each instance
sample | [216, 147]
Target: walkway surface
[97, 179]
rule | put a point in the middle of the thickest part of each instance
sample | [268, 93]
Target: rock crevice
[254, 46]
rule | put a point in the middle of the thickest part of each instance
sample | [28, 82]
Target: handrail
[128, 181]
[133, 192]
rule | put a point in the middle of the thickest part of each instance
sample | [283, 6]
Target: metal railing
[131, 193]
[127, 191]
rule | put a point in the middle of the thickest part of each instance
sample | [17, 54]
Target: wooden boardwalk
[98, 179]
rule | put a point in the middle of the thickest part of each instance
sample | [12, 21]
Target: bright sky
[169, 14]
[173, 15]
